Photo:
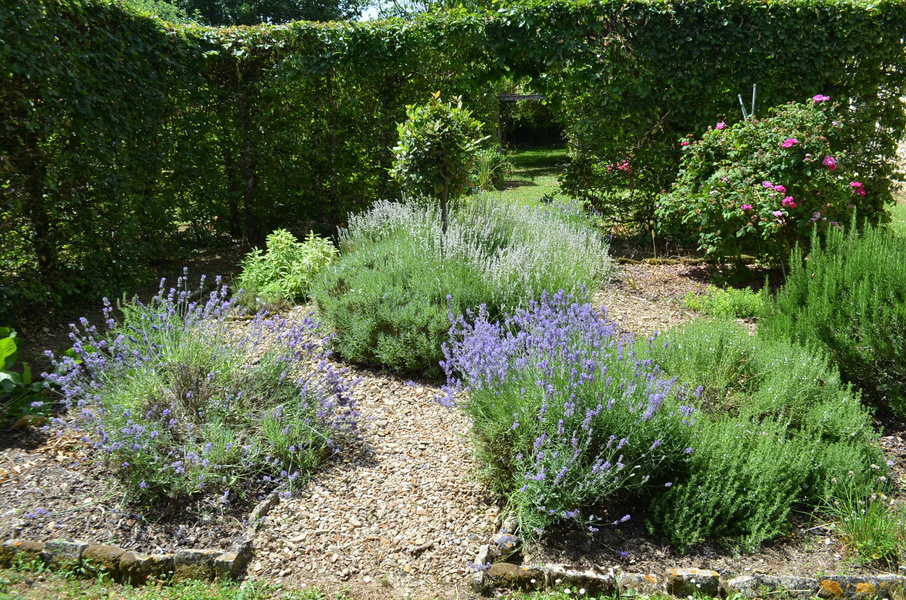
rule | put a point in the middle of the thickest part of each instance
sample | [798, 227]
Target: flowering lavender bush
[566, 416]
[761, 186]
[180, 400]
[400, 273]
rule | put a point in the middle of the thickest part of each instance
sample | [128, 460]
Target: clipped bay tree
[437, 145]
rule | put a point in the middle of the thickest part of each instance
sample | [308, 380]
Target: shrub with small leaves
[848, 298]
[286, 270]
[761, 186]
[180, 401]
[776, 428]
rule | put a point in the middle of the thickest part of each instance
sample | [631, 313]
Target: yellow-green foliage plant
[286, 270]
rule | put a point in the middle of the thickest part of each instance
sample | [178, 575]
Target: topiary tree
[437, 145]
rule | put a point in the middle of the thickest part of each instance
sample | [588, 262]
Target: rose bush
[761, 186]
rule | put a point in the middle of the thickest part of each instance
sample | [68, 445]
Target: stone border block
[136, 568]
[758, 585]
[689, 582]
[27, 549]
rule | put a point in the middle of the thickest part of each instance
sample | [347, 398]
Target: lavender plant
[387, 298]
[180, 400]
[566, 417]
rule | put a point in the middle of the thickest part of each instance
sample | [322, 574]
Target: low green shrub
[776, 428]
[491, 169]
[400, 276]
[848, 297]
[761, 186]
[730, 303]
[180, 402]
[286, 270]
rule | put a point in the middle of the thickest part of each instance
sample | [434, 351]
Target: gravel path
[400, 516]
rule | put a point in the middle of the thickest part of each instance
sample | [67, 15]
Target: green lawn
[535, 174]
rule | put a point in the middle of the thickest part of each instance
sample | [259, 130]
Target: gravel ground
[402, 516]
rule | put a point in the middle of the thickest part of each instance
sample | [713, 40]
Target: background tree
[253, 12]
[161, 9]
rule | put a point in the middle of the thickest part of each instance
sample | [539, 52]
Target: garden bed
[401, 511]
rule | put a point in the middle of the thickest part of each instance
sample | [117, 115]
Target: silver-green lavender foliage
[180, 401]
[389, 297]
[515, 251]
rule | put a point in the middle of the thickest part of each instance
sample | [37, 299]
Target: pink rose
[778, 213]
[830, 162]
[720, 125]
[767, 184]
[789, 143]
[820, 98]
[685, 143]
[746, 207]
[815, 216]
[855, 184]
[788, 202]
[779, 188]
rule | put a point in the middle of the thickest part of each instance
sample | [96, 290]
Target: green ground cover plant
[400, 276]
[285, 271]
[179, 403]
[535, 174]
[847, 297]
[730, 302]
[760, 187]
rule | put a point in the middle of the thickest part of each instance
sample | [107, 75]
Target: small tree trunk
[443, 207]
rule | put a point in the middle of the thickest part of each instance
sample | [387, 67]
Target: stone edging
[492, 571]
[136, 568]
[686, 583]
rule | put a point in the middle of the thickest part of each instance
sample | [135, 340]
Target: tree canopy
[253, 12]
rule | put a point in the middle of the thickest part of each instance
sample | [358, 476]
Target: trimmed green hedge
[119, 131]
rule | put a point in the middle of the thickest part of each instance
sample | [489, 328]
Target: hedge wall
[121, 134]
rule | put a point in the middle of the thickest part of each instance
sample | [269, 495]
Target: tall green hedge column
[438, 143]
